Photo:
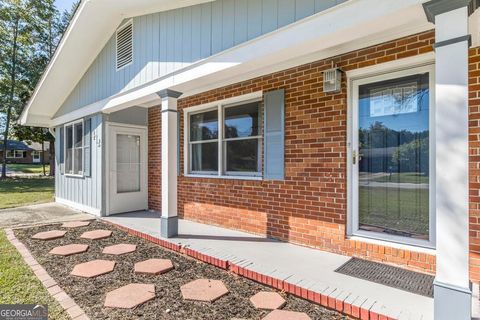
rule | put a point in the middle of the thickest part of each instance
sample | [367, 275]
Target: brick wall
[309, 206]
[28, 159]
[154, 159]
[474, 133]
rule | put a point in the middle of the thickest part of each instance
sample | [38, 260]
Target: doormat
[394, 277]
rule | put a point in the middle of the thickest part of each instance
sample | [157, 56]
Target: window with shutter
[225, 139]
[74, 145]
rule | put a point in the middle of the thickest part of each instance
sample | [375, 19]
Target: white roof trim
[334, 31]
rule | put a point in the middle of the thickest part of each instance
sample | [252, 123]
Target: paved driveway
[39, 213]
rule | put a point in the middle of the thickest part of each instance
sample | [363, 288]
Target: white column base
[451, 302]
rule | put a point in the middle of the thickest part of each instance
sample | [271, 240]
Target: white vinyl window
[15, 154]
[74, 145]
[226, 140]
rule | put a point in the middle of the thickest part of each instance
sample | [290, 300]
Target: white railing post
[169, 219]
[452, 291]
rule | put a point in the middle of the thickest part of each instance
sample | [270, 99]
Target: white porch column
[452, 291]
[169, 219]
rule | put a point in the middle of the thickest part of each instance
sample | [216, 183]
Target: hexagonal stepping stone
[96, 234]
[286, 315]
[204, 290]
[69, 249]
[119, 249]
[75, 224]
[153, 266]
[267, 300]
[93, 268]
[130, 296]
[49, 235]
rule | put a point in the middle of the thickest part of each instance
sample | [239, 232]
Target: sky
[63, 5]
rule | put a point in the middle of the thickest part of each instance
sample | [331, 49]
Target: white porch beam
[169, 219]
[452, 291]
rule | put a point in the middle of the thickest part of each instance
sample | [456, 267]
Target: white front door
[35, 156]
[127, 168]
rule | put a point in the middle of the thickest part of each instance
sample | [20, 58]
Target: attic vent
[125, 45]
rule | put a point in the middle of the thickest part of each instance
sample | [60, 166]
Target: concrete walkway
[39, 213]
[308, 268]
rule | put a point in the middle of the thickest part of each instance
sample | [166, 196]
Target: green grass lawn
[18, 284]
[16, 192]
[394, 208]
[404, 177]
[28, 168]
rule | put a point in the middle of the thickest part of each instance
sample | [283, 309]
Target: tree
[46, 27]
[16, 46]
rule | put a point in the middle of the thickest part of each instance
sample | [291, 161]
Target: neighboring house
[37, 152]
[22, 152]
[260, 115]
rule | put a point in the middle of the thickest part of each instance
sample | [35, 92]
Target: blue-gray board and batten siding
[85, 191]
[168, 41]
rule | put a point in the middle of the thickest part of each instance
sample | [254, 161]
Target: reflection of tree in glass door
[394, 157]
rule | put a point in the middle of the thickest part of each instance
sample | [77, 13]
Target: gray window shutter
[61, 150]
[87, 140]
[274, 145]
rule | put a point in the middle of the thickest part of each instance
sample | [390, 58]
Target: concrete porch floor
[308, 268]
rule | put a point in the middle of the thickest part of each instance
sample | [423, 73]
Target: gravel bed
[89, 294]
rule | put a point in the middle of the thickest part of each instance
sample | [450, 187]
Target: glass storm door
[391, 158]
[127, 162]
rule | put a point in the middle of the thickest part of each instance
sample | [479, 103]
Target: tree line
[30, 31]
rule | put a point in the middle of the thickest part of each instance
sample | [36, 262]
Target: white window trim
[36, 154]
[126, 24]
[370, 76]
[72, 124]
[220, 106]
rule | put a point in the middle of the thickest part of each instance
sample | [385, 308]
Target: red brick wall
[309, 207]
[28, 159]
[474, 132]
[154, 159]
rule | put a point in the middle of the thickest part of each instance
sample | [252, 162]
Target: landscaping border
[357, 307]
[65, 301]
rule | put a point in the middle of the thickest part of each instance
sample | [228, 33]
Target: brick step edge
[65, 301]
[322, 299]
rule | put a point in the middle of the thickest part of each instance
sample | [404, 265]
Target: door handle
[355, 156]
